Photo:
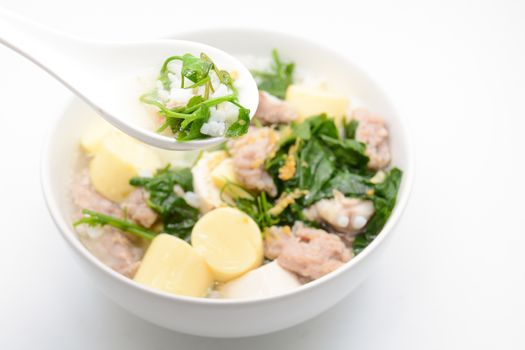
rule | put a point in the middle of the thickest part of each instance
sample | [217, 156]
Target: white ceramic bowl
[230, 318]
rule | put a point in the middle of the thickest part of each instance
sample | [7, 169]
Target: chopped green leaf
[224, 77]
[320, 153]
[203, 112]
[257, 209]
[277, 80]
[177, 216]
[195, 68]
[350, 127]
[384, 202]
[350, 152]
[389, 187]
[194, 132]
[349, 184]
[240, 127]
[195, 100]
[93, 218]
[319, 125]
[163, 76]
[316, 165]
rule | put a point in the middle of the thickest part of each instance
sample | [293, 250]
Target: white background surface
[454, 276]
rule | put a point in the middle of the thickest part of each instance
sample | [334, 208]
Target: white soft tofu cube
[268, 280]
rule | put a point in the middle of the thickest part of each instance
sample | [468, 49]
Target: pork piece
[345, 215]
[373, 132]
[116, 249]
[113, 248]
[272, 110]
[309, 253]
[138, 210]
[86, 197]
[249, 152]
[275, 238]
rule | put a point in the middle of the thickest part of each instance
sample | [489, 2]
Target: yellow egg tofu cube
[224, 178]
[310, 101]
[172, 265]
[94, 135]
[230, 242]
[117, 160]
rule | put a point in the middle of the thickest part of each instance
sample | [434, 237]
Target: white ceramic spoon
[102, 73]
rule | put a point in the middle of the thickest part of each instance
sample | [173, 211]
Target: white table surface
[454, 276]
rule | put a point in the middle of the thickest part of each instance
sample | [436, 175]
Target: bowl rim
[69, 235]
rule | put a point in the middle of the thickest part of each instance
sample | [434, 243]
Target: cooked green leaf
[348, 152]
[193, 133]
[320, 153]
[195, 100]
[163, 76]
[277, 79]
[293, 213]
[195, 68]
[302, 130]
[176, 215]
[350, 128]
[224, 77]
[316, 163]
[203, 112]
[257, 209]
[389, 187]
[349, 184]
[384, 199]
[93, 218]
[241, 125]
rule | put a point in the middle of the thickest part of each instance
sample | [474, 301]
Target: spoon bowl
[107, 75]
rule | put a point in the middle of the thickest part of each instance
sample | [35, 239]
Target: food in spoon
[195, 99]
[292, 198]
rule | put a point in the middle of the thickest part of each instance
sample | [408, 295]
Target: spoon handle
[48, 48]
